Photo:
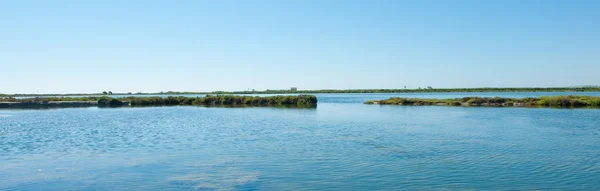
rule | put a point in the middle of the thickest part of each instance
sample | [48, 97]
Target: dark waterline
[340, 145]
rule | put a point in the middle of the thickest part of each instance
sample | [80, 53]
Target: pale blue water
[340, 145]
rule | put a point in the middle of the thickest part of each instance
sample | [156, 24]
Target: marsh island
[544, 101]
[208, 100]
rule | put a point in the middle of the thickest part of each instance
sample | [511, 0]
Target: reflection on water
[341, 145]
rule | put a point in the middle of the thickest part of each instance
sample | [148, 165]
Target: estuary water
[340, 145]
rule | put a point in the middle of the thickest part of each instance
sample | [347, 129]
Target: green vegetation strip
[209, 100]
[545, 101]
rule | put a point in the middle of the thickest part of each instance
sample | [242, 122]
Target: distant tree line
[428, 89]
[422, 90]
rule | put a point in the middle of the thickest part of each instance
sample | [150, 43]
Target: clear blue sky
[151, 46]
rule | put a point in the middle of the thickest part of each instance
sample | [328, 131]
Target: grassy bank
[300, 100]
[545, 101]
[209, 100]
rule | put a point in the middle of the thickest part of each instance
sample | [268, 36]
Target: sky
[152, 46]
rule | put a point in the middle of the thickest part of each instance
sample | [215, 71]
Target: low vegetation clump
[544, 101]
[8, 99]
[110, 102]
[48, 99]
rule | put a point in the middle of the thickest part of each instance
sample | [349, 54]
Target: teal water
[340, 145]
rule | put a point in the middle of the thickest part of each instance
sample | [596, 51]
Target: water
[340, 145]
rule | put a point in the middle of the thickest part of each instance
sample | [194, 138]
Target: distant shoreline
[432, 90]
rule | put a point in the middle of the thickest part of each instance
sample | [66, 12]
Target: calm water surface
[340, 145]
